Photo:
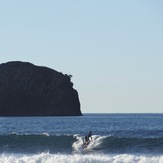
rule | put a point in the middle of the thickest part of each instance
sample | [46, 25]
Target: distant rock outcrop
[29, 90]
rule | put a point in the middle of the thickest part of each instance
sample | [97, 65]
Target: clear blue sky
[113, 48]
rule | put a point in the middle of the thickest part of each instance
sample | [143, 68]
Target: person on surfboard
[90, 136]
[87, 139]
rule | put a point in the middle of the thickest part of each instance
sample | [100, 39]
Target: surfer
[87, 139]
[90, 136]
[85, 142]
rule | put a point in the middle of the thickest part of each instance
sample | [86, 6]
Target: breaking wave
[69, 144]
[76, 158]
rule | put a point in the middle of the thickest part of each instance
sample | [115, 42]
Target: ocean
[117, 138]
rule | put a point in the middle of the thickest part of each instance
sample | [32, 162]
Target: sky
[112, 48]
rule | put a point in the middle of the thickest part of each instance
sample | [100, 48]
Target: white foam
[96, 141]
[14, 133]
[45, 134]
[76, 158]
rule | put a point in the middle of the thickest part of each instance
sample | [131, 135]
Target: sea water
[118, 138]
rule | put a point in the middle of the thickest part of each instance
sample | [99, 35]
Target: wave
[69, 144]
[132, 145]
[112, 144]
[75, 158]
[35, 143]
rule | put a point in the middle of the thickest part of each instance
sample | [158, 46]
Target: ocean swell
[69, 144]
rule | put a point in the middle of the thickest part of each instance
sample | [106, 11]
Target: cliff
[29, 90]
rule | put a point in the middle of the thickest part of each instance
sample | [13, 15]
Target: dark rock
[29, 90]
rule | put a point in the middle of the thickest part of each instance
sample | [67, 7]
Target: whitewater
[78, 158]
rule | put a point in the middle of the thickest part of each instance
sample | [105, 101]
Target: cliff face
[29, 90]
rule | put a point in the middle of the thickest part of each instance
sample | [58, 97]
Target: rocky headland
[30, 90]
